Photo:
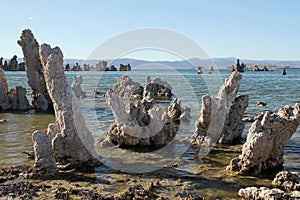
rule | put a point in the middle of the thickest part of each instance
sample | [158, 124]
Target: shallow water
[207, 174]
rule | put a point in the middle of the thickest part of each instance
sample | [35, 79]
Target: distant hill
[185, 64]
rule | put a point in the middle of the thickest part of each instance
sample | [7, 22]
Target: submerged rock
[72, 142]
[44, 160]
[142, 124]
[266, 141]
[34, 71]
[215, 111]
[76, 86]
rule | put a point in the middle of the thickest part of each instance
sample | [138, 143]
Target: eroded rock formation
[13, 64]
[215, 112]
[34, 71]
[127, 88]
[234, 125]
[18, 99]
[101, 66]
[142, 124]
[125, 67]
[266, 141]
[174, 110]
[72, 142]
[286, 180]
[15, 99]
[4, 102]
[76, 86]
[254, 193]
[45, 163]
[157, 88]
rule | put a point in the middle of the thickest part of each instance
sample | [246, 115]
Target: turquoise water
[270, 87]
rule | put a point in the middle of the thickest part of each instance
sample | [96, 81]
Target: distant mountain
[194, 62]
[184, 64]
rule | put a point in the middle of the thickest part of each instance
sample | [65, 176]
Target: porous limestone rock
[157, 88]
[141, 124]
[127, 88]
[76, 86]
[215, 111]
[262, 193]
[234, 125]
[266, 141]
[286, 180]
[45, 163]
[72, 142]
[34, 71]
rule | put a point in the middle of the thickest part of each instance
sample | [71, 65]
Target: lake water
[208, 172]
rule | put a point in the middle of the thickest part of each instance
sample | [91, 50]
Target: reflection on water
[269, 87]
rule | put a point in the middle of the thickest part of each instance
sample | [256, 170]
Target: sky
[253, 29]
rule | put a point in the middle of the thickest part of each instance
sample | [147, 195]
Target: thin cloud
[31, 18]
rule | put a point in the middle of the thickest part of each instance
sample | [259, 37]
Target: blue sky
[223, 28]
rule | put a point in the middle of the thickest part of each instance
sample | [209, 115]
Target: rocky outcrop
[111, 68]
[34, 71]
[127, 88]
[18, 99]
[72, 142]
[76, 86]
[15, 99]
[254, 193]
[234, 125]
[174, 110]
[157, 89]
[238, 67]
[13, 64]
[21, 66]
[289, 181]
[215, 111]
[266, 141]
[45, 163]
[4, 102]
[101, 66]
[125, 67]
[143, 124]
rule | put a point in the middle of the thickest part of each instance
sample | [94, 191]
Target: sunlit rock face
[34, 71]
[45, 163]
[72, 142]
[141, 124]
[266, 141]
[221, 116]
